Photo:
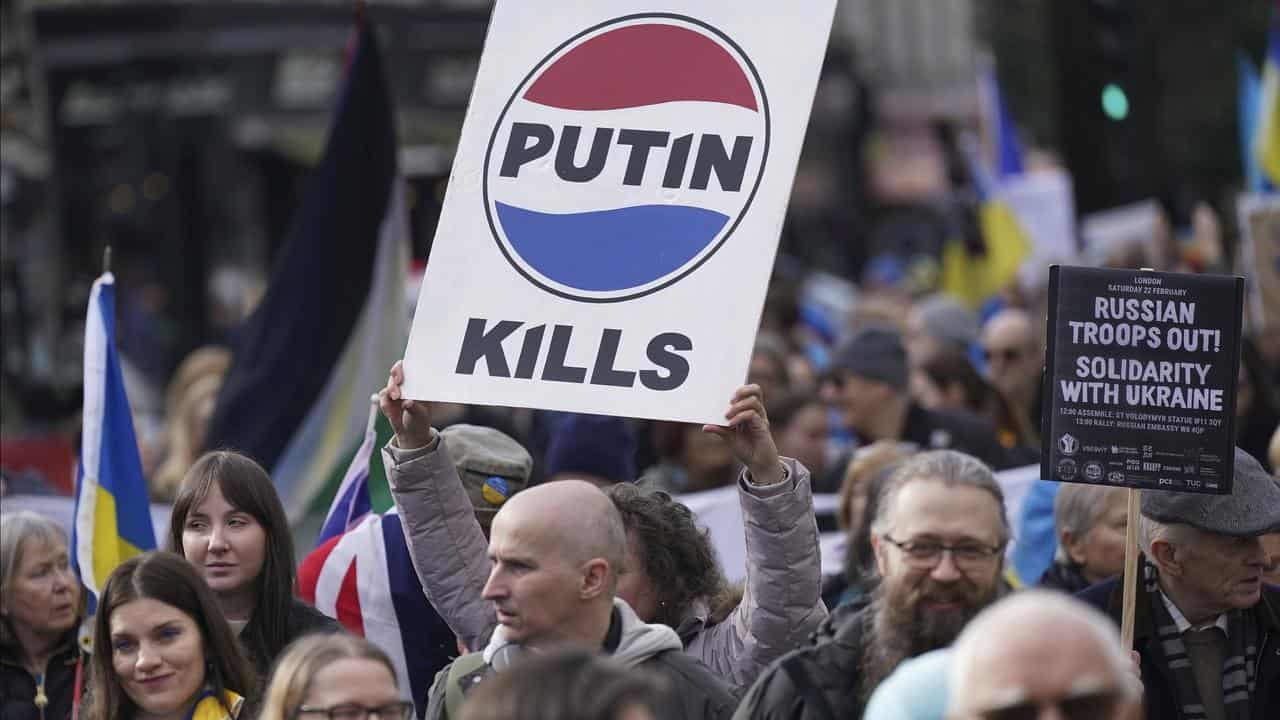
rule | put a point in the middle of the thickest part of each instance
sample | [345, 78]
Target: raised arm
[782, 601]
[440, 528]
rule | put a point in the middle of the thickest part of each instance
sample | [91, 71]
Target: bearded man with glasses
[939, 540]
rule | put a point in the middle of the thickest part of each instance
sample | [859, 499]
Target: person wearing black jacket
[939, 540]
[1206, 628]
[41, 604]
[19, 688]
[868, 384]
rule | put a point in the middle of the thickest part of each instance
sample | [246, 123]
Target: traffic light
[1115, 102]
[1104, 133]
[1114, 31]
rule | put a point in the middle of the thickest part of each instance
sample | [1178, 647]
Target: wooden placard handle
[1130, 570]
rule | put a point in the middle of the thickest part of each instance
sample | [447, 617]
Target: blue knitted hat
[600, 445]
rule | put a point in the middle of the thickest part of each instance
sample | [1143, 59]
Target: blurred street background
[182, 133]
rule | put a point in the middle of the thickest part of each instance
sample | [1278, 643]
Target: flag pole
[106, 259]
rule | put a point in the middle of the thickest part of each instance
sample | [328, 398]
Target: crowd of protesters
[574, 583]
[565, 579]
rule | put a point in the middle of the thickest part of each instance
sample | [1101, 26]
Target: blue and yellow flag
[1266, 143]
[970, 277]
[112, 513]
[1000, 135]
[1250, 95]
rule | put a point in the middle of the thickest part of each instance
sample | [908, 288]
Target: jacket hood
[637, 642]
[640, 640]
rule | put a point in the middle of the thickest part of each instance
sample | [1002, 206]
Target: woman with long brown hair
[229, 523]
[162, 649]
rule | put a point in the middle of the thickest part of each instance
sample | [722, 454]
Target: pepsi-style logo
[626, 158]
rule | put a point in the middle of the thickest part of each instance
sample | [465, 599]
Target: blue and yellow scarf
[207, 706]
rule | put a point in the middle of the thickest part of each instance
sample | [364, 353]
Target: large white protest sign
[615, 203]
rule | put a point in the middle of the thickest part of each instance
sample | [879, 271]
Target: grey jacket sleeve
[444, 540]
[782, 601]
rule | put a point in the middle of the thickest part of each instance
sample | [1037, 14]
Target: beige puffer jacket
[781, 604]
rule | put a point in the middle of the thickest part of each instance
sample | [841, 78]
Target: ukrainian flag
[1267, 141]
[973, 279]
[113, 512]
[998, 130]
[1250, 93]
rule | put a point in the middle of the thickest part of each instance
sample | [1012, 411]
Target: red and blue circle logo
[626, 158]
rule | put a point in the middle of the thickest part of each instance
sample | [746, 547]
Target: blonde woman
[334, 677]
[40, 608]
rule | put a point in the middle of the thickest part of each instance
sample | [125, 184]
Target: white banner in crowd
[1115, 232]
[1045, 207]
[615, 203]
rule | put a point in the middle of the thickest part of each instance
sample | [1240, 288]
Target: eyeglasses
[1089, 706]
[926, 555]
[350, 711]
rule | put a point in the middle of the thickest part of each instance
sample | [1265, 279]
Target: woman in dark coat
[41, 604]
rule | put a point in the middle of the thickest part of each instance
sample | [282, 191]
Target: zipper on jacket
[41, 700]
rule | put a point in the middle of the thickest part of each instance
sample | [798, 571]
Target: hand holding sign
[1140, 385]
[617, 167]
[411, 419]
[749, 436]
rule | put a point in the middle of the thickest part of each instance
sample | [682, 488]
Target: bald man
[1040, 654]
[554, 573]
[555, 550]
[1012, 347]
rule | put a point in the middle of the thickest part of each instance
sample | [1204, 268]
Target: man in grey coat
[781, 603]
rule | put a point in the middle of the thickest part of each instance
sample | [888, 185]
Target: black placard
[1140, 385]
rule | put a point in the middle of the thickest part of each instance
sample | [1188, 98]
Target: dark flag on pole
[333, 319]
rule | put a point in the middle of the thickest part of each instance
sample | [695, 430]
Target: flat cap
[1252, 508]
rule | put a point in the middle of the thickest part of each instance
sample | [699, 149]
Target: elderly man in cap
[1206, 627]
[868, 385]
